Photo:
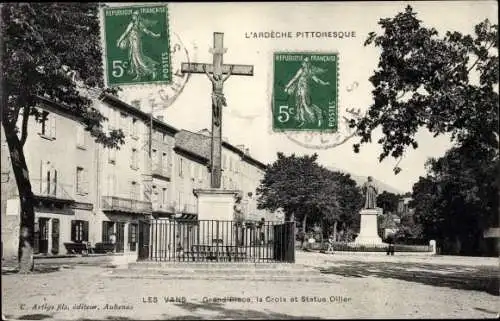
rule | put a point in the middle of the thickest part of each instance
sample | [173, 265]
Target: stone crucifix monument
[368, 230]
[215, 203]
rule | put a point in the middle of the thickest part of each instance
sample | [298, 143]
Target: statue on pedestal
[370, 191]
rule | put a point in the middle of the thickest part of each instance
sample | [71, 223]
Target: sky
[247, 118]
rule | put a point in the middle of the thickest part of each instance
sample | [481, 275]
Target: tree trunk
[26, 199]
[335, 230]
[304, 221]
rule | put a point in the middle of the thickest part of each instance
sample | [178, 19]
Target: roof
[196, 144]
[200, 144]
[117, 102]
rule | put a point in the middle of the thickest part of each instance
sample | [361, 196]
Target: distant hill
[360, 180]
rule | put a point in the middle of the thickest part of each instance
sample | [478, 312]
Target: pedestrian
[330, 244]
[390, 248]
[301, 235]
[112, 240]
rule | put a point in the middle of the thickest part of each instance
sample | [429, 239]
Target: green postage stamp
[305, 90]
[137, 45]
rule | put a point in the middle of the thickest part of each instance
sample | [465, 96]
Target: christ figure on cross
[218, 99]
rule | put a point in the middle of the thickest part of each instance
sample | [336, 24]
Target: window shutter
[104, 232]
[85, 181]
[73, 231]
[43, 177]
[130, 230]
[54, 182]
[53, 126]
[85, 231]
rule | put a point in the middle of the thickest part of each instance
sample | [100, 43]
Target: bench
[215, 253]
[78, 248]
[104, 247]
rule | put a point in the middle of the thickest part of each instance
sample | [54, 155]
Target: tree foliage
[45, 47]
[309, 192]
[49, 51]
[388, 202]
[458, 199]
[427, 81]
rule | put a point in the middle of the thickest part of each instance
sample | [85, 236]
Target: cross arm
[197, 68]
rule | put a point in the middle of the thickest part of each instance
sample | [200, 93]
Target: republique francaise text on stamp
[137, 45]
[305, 91]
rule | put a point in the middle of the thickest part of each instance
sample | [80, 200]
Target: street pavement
[360, 287]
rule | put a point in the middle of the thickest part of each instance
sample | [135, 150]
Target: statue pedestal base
[216, 213]
[368, 231]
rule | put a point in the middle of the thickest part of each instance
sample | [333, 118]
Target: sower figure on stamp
[218, 99]
[370, 191]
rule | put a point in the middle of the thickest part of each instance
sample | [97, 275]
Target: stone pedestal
[216, 215]
[368, 233]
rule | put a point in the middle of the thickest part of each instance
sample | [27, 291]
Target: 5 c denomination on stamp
[305, 91]
[137, 45]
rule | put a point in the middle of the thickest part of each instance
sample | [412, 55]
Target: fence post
[432, 244]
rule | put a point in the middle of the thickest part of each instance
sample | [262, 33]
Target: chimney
[136, 103]
[247, 151]
[160, 118]
[241, 147]
[204, 131]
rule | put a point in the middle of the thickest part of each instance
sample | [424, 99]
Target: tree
[458, 199]
[291, 183]
[426, 81]
[309, 192]
[388, 202]
[45, 48]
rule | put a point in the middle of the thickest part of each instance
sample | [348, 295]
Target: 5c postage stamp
[137, 45]
[305, 91]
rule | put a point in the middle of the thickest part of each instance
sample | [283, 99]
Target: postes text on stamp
[305, 91]
[137, 45]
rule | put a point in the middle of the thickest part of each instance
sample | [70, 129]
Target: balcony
[160, 171]
[52, 192]
[127, 205]
[163, 208]
[190, 209]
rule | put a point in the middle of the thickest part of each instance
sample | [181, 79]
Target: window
[112, 155]
[111, 184]
[164, 195]
[48, 127]
[132, 236]
[80, 137]
[180, 166]
[79, 231]
[192, 168]
[81, 181]
[164, 161]
[154, 158]
[108, 228]
[135, 129]
[134, 191]
[134, 159]
[154, 194]
[181, 200]
[48, 179]
[124, 122]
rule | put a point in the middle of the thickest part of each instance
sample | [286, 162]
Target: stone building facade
[86, 193]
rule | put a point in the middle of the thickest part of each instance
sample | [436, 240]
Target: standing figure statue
[218, 99]
[299, 85]
[140, 65]
[370, 191]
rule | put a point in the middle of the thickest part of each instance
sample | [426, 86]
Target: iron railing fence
[220, 241]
